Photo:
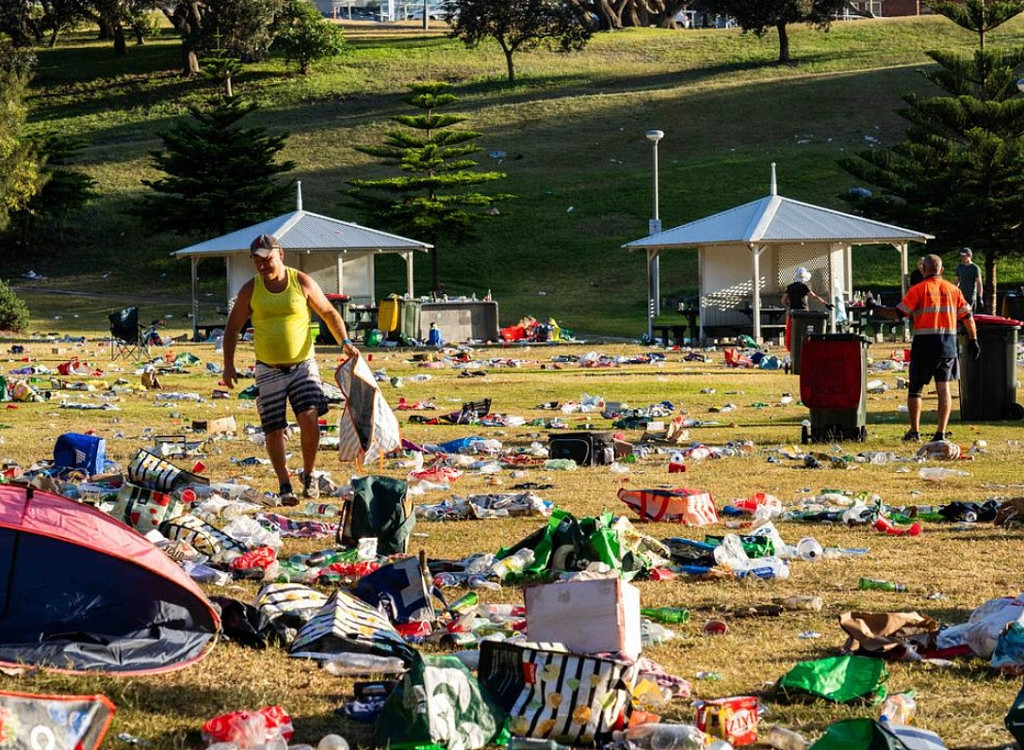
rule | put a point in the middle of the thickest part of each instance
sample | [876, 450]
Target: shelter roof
[303, 230]
[778, 220]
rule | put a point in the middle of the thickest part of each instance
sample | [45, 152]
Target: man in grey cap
[968, 279]
[278, 299]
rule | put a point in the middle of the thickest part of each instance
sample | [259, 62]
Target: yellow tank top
[281, 322]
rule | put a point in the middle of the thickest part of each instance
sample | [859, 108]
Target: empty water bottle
[350, 663]
[783, 739]
[327, 510]
[658, 736]
[809, 549]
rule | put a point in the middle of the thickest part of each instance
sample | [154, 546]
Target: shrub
[14, 315]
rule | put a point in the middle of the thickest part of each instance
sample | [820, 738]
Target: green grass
[573, 129]
[963, 703]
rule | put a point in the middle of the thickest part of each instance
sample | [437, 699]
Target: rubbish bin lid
[333, 297]
[996, 320]
[838, 337]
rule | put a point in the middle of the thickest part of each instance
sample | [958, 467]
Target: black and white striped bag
[207, 539]
[157, 473]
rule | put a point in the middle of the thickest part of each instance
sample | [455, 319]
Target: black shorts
[925, 367]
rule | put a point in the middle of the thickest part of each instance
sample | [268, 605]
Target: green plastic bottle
[875, 584]
[666, 614]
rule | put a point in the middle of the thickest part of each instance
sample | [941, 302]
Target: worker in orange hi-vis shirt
[934, 306]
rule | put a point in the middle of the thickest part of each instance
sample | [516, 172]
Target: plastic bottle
[321, 509]
[351, 663]
[533, 743]
[658, 736]
[899, 708]
[876, 584]
[783, 739]
[803, 601]
[512, 564]
[809, 549]
[938, 474]
[666, 614]
[332, 742]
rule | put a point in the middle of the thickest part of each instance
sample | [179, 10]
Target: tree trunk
[120, 44]
[106, 32]
[989, 288]
[53, 37]
[783, 44]
[510, 66]
[191, 24]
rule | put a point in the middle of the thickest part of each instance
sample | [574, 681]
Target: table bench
[675, 332]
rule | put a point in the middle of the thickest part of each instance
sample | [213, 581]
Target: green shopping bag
[841, 679]
[568, 543]
[438, 704]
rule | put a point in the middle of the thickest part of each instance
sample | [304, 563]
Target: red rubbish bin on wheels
[833, 385]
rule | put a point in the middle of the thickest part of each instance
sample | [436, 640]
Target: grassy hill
[573, 131]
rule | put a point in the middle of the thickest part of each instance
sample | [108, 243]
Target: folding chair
[126, 338]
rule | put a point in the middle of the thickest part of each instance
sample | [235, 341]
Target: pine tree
[427, 201]
[959, 173]
[219, 176]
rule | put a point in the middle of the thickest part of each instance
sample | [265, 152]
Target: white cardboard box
[587, 616]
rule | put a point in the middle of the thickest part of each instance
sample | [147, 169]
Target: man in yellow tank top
[278, 299]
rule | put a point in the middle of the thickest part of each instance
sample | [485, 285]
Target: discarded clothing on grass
[289, 528]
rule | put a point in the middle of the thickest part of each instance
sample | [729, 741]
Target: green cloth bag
[841, 679]
[858, 734]
[380, 507]
[439, 704]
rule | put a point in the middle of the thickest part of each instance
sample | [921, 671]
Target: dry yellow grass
[964, 703]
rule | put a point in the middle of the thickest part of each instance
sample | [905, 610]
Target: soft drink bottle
[876, 584]
[666, 614]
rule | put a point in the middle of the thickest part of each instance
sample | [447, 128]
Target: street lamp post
[653, 256]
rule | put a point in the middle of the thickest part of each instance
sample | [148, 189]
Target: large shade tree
[429, 200]
[519, 25]
[959, 172]
[760, 16]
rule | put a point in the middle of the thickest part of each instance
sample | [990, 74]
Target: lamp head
[655, 135]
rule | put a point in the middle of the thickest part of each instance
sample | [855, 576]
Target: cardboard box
[221, 426]
[587, 616]
[731, 719]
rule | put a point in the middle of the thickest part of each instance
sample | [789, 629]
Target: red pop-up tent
[80, 591]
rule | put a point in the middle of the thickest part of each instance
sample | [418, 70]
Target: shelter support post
[652, 291]
[904, 268]
[195, 297]
[408, 256]
[755, 300]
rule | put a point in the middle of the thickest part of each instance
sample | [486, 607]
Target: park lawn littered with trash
[748, 418]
